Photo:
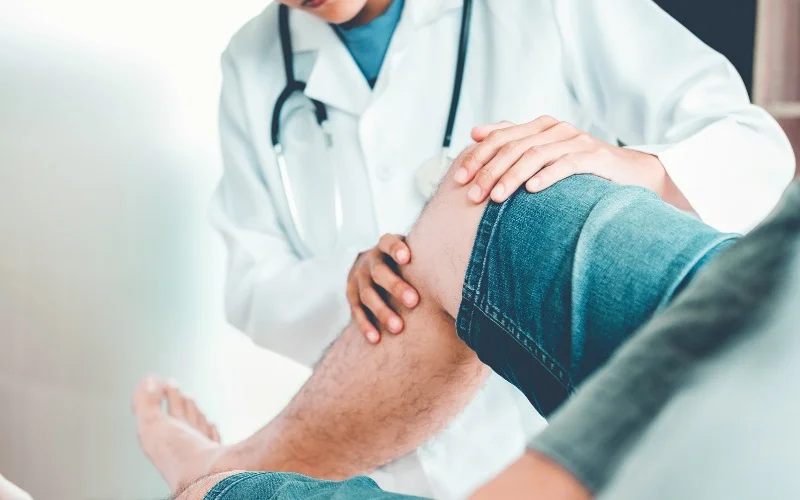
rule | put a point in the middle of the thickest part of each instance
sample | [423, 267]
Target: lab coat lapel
[335, 79]
[417, 14]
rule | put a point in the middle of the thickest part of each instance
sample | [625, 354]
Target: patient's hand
[545, 151]
[371, 278]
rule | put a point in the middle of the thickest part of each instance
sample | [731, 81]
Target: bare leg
[176, 439]
[363, 407]
[367, 405]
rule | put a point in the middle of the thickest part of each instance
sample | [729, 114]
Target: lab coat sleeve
[291, 306]
[647, 79]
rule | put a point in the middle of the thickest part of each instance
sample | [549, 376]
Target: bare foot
[180, 442]
[10, 491]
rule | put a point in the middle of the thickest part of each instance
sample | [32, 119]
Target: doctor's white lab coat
[619, 69]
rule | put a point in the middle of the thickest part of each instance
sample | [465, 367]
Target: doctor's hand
[371, 278]
[545, 151]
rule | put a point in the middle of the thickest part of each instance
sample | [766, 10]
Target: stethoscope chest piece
[431, 173]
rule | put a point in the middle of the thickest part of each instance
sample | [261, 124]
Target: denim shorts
[558, 280]
[555, 283]
[290, 486]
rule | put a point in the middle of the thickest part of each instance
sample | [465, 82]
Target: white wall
[108, 269]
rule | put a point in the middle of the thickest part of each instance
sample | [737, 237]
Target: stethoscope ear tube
[293, 85]
[319, 110]
[463, 43]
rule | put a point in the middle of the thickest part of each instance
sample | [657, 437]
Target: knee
[441, 243]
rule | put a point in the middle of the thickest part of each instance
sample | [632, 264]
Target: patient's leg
[364, 405]
[556, 282]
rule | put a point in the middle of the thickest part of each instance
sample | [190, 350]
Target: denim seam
[476, 269]
[490, 219]
[224, 487]
[510, 327]
[473, 299]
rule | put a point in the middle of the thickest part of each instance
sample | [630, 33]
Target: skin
[536, 154]
[350, 13]
[363, 406]
[544, 151]
[503, 159]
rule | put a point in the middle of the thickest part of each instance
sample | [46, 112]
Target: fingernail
[395, 325]
[533, 184]
[498, 191]
[373, 337]
[409, 298]
[474, 194]
[461, 175]
[402, 255]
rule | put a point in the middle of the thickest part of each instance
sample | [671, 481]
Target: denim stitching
[224, 487]
[494, 211]
[465, 327]
[473, 299]
[508, 326]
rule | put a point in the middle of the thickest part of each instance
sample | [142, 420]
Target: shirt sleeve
[647, 79]
[732, 297]
[295, 307]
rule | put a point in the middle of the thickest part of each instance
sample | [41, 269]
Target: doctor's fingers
[395, 246]
[360, 316]
[485, 150]
[386, 278]
[508, 156]
[372, 300]
[584, 162]
[480, 132]
[530, 164]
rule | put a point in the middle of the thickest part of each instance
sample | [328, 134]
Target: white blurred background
[108, 268]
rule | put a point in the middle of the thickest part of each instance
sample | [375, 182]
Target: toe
[213, 433]
[148, 395]
[176, 403]
[194, 416]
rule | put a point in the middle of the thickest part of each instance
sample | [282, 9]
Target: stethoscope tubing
[293, 85]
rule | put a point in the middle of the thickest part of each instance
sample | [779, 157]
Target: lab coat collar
[335, 78]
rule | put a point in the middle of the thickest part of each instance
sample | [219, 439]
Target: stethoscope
[428, 175]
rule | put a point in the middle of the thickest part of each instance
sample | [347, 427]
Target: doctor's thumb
[480, 132]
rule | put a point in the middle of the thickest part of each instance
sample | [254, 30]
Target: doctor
[337, 117]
